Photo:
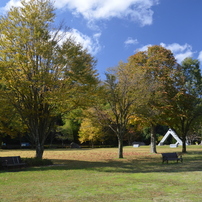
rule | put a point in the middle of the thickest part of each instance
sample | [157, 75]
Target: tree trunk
[39, 150]
[153, 139]
[184, 135]
[184, 148]
[120, 146]
[92, 144]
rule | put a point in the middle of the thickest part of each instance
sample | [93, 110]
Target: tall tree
[161, 71]
[45, 73]
[121, 95]
[186, 106]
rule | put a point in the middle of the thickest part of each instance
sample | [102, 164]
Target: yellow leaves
[90, 132]
[134, 119]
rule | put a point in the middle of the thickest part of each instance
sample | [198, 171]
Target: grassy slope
[98, 175]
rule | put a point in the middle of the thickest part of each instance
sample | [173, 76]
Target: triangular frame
[175, 136]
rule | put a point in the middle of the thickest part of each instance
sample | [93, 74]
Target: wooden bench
[171, 157]
[11, 161]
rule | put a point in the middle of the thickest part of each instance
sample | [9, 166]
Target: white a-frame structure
[171, 132]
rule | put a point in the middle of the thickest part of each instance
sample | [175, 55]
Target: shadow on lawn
[142, 165]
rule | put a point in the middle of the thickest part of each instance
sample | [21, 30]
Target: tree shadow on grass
[132, 166]
[192, 161]
[143, 164]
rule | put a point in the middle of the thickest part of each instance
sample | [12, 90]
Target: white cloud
[200, 56]
[143, 48]
[130, 41]
[89, 43]
[11, 3]
[138, 10]
[180, 51]
[175, 47]
[181, 56]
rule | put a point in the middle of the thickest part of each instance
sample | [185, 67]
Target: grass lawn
[98, 175]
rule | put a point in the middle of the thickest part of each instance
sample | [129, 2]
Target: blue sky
[113, 30]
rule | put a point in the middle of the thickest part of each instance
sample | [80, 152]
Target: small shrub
[37, 162]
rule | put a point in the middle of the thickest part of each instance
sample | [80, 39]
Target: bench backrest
[170, 155]
[11, 159]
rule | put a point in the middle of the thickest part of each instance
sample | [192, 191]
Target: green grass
[98, 175]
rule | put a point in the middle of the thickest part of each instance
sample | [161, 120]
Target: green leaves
[192, 76]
